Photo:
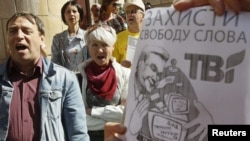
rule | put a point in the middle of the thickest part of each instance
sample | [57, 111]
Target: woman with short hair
[105, 82]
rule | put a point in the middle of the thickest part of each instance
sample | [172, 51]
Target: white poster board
[191, 69]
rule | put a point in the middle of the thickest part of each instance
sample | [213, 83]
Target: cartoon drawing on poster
[166, 100]
[185, 77]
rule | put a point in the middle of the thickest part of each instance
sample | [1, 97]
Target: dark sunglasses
[116, 4]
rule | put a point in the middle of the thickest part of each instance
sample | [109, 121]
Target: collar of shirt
[38, 68]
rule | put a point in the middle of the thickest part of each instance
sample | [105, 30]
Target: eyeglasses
[134, 11]
[95, 26]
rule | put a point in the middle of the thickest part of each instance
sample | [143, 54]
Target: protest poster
[190, 70]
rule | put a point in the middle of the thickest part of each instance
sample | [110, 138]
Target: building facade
[49, 12]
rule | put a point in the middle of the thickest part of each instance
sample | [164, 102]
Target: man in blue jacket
[39, 100]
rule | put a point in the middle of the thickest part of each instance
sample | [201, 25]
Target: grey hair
[101, 33]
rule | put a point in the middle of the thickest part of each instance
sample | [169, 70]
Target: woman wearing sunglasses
[105, 82]
[110, 16]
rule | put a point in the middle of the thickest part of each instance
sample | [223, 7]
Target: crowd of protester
[79, 94]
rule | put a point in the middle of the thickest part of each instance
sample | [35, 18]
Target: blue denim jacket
[63, 115]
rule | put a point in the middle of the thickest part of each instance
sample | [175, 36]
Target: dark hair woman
[109, 16]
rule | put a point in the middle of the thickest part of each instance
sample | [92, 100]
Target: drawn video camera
[168, 126]
[176, 103]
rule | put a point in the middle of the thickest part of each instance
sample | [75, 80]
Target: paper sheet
[132, 41]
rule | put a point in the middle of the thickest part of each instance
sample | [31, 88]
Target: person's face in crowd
[112, 7]
[100, 52]
[72, 15]
[134, 15]
[148, 6]
[150, 71]
[24, 40]
[95, 10]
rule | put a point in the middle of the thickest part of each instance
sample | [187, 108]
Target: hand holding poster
[190, 70]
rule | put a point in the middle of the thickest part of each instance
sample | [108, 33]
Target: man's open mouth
[21, 47]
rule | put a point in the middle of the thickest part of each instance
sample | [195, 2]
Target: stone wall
[47, 10]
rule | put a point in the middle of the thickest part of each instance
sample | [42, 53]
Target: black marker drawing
[167, 107]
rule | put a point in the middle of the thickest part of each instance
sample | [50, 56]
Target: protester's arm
[112, 130]
[219, 5]
[114, 113]
[74, 114]
[108, 113]
[126, 63]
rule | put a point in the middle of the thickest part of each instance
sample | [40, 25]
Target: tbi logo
[212, 66]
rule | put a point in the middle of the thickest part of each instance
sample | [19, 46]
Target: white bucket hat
[138, 3]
